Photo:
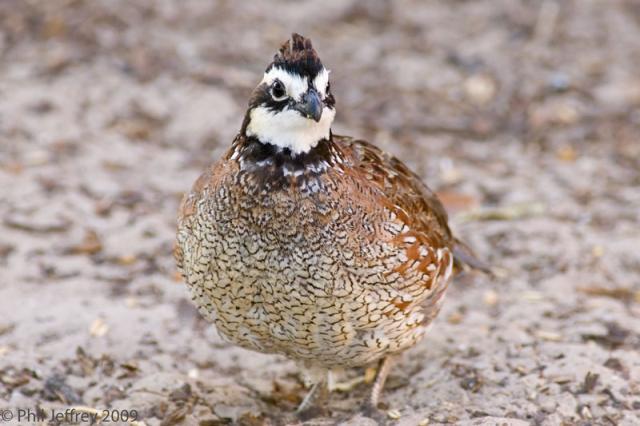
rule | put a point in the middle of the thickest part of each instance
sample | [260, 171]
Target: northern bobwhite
[316, 246]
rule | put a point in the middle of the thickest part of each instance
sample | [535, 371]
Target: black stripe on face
[329, 100]
[261, 96]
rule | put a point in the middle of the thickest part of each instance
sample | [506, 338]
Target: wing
[426, 239]
[403, 191]
[407, 196]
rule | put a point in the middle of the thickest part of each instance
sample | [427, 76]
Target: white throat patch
[287, 128]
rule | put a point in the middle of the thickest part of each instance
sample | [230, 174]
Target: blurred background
[523, 115]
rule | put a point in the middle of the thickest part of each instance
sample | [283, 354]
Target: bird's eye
[278, 92]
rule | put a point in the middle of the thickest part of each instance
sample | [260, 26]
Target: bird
[319, 247]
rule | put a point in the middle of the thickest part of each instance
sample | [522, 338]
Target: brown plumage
[336, 256]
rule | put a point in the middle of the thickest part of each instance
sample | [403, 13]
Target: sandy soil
[524, 115]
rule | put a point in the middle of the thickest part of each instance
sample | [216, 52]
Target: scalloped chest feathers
[312, 267]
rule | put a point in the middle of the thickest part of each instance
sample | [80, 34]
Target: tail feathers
[464, 258]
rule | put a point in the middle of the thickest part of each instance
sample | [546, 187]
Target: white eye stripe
[321, 81]
[295, 84]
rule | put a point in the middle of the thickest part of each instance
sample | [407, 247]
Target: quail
[316, 246]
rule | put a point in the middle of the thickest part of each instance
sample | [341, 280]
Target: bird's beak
[311, 105]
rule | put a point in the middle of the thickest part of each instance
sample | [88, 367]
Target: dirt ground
[523, 115]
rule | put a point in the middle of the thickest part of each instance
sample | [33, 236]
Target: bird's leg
[317, 389]
[368, 377]
[371, 404]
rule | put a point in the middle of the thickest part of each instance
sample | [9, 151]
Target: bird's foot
[370, 407]
[373, 412]
[307, 409]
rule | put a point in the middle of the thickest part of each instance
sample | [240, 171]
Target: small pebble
[394, 414]
[98, 328]
[480, 89]
[490, 298]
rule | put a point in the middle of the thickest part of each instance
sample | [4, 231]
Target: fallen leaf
[567, 154]
[623, 294]
[90, 244]
[550, 336]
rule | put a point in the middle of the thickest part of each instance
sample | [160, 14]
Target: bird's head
[292, 107]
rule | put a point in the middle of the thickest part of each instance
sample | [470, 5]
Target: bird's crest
[297, 55]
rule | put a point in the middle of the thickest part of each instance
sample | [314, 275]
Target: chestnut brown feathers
[336, 255]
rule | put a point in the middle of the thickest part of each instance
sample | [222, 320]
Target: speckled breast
[317, 270]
